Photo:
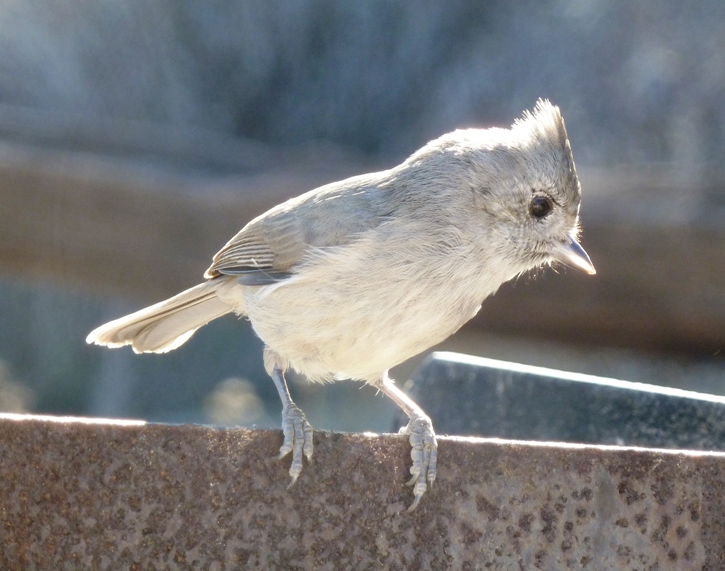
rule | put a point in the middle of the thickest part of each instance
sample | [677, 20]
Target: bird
[354, 277]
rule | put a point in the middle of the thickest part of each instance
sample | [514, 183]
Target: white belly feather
[356, 311]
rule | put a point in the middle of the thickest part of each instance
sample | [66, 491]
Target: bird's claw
[297, 439]
[424, 453]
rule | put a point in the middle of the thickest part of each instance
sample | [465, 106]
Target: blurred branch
[115, 214]
[145, 236]
[134, 207]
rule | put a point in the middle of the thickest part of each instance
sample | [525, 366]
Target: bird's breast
[358, 311]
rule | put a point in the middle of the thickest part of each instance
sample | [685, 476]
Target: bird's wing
[268, 248]
[249, 256]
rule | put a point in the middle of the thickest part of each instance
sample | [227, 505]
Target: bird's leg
[297, 431]
[422, 440]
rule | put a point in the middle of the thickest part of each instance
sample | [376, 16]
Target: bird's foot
[297, 439]
[424, 454]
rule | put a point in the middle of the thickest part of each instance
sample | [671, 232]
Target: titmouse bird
[355, 277]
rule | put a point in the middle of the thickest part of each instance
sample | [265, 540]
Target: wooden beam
[115, 226]
[149, 231]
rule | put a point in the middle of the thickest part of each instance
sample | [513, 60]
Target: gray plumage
[355, 277]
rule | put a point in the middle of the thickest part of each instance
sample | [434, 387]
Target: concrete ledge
[113, 495]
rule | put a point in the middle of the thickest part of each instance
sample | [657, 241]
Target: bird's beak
[570, 253]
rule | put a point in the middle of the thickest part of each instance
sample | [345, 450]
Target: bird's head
[519, 186]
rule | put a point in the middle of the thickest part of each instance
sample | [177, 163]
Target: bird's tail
[165, 325]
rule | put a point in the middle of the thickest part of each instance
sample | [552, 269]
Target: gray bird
[355, 277]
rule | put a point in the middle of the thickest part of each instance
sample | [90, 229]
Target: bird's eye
[540, 206]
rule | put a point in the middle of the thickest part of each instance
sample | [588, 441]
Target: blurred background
[136, 138]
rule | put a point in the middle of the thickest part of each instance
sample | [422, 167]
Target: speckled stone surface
[473, 396]
[143, 497]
